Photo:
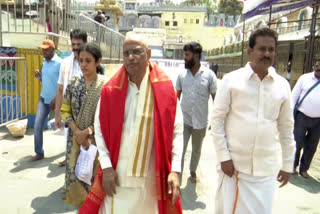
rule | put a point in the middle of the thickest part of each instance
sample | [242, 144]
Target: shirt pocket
[273, 105]
[203, 87]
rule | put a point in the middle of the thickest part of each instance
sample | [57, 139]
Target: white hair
[136, 37]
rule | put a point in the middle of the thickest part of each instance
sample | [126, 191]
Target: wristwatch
[90, 131]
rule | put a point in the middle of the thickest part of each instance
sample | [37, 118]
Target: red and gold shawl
[112, 106]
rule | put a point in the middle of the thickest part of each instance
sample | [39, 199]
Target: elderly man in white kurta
[252, 113]
[138, 131]
[131, 188]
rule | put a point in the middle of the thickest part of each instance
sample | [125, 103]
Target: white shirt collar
[249, 71]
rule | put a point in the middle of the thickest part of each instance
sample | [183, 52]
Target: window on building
[191, 21]
[185, 21]
[166, 23]
[175, 23]
[130, 6]
[197, 21]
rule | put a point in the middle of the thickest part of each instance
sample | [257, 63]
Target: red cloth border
[111, 117]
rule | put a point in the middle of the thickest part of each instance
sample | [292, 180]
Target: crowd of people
[141, 123]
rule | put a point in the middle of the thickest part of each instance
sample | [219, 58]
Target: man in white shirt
[196, 83]
[307, 119]
[69, 67]
[138, 131]
[251, 114]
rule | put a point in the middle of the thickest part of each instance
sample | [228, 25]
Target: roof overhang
[261, 7]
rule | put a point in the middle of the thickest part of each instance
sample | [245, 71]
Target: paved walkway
[35, 187]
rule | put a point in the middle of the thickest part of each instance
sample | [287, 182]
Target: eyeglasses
[135, 52]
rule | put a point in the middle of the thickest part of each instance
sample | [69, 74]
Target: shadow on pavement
[25, 163]
[55, 170]
[30, 132]
[189, 197]
[310, 185]
[5, 135]
[50, 204]
[302, 209]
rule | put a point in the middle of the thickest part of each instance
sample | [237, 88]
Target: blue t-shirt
[49, 77]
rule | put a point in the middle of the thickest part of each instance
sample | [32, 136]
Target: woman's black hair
[95, 51]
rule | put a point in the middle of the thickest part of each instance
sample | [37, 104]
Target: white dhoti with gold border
[128, 200]
[244, 194]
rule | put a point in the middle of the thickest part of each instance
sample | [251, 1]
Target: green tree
[231, 7]
[211, 4]
[192, 2]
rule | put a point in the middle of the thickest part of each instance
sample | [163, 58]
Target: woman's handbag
[84, 167]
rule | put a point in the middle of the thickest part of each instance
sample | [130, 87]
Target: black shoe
[36, 158]
[305, 175]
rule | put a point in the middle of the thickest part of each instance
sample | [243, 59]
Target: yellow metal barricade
[34, 60]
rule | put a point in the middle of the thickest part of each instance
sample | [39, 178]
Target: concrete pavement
[31, 187]
[35, 187]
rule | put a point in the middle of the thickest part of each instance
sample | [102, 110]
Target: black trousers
[306, 134]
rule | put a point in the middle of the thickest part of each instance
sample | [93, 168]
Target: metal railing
[13, 89]
[109, 40]
[36, 17]
[52, 18]
[291, 29]
[33, 17]
[57, 18]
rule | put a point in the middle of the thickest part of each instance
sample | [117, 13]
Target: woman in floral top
[77, 111]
